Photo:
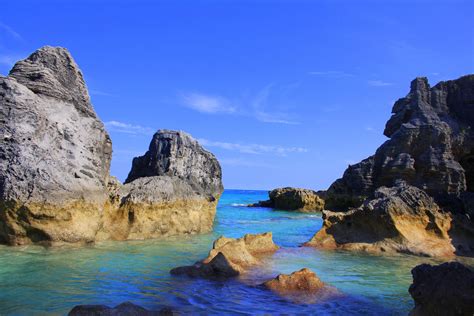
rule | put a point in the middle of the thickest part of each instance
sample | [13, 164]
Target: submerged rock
[446, 289]
[54, 153]
[400, 219]
[124, 309]
[431, 147]
[229, 256]
[293, 199]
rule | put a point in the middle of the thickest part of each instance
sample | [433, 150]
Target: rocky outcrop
[400, 219]
[54, 153]
[230, 257]
[54, 166]
[293, 199]
[446, 289]
[124, 309]
[303, 281]
[171, 190]
[431, 147]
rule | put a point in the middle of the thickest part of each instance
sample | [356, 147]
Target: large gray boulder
[171, 190]
[431, 147]
[54, 154]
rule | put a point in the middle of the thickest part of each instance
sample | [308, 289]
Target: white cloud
[335, 74]
[206, 103]
[379, 83]
[120, 127]
[260, 102]
[243, 163]
[369, 129]
[253, 148]
[11, 32]
[9, 60]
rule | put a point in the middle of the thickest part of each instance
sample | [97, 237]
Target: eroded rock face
[431, 147]
[177, 154]
[303, 281]
[400, 219]
[172, 190]
[293, 199]
[446, 289]
[229, 256]
[124, 309]
[54, 153]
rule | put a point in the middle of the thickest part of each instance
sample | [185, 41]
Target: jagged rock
[293, 199]
[445, 289]
[172, 190]
[431, 147]
[54, 153]
[229, 256]
[124, 309]
[55, 158]
[401, 219]
[177, 154]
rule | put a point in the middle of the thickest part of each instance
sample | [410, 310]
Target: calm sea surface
[35, 280]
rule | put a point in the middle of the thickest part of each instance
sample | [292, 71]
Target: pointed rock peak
[51, 71]
[420, 89]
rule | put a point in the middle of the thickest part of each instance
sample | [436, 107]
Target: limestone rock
[229, 256]
[124, 309]
[400, 219]
[431, 147]
[54, 153]
[445, 289]
[293, 199]
[177, 154]
[303, 281]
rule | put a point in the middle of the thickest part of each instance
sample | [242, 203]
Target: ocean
[38, 280]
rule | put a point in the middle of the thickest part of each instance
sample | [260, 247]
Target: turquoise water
[35, 280]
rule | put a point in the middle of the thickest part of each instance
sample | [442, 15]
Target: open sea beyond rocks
[36, 280]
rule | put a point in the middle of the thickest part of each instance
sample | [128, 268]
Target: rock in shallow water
[446, 289]
[302, 200]
[401, 219]
[55, 158]
[229, 256]
[124, 309]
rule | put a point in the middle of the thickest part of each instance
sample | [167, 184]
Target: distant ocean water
[35, 280]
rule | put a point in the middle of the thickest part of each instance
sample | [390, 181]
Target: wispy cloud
[334, 74]
[126, 128]
[207, 103]
[10, 59]
[379, 83]
[369, 129]
[260, 104]
[11, 32]
[100, 93]
[257, 149]
[240, 162]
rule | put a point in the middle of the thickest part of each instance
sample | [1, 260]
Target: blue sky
[285, 93]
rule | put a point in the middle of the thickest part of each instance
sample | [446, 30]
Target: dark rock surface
[431, 147]
[445, 289]
[177, 154]
[293, 199]
[124, 309]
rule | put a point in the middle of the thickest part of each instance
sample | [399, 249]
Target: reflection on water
[38, 280]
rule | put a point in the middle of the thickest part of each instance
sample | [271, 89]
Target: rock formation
[431, 147]
[400, 219]
[54, 153]
[300, 282]
[293, 199]
[123, 309]
[171, 190]
[446, 289]
[229, 256]
[54, 166]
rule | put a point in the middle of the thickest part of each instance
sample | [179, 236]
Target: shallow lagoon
[35, 280]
